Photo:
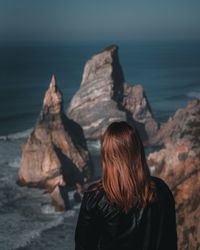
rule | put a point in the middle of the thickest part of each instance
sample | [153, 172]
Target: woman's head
[126, 176]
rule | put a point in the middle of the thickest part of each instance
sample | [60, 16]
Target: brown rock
[178, 163]
[104, 97]
[56, 150]
[57, 200]
[138, 108]
[184, 124]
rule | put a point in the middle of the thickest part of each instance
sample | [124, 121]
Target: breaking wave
[17, 135]
[194, 94]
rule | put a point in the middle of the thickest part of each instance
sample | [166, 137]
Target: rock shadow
[71, 174]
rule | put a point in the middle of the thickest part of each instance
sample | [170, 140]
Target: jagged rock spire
[53, 98]
[56, 150]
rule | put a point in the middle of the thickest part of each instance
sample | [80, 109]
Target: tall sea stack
[55, 153]
[104, 97]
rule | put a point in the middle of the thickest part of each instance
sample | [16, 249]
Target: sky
[82, 20]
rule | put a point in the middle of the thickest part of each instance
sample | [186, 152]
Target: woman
[127, 208]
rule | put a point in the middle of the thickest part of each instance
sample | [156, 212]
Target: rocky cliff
[104, 97]
[55, 154]
[178, 163]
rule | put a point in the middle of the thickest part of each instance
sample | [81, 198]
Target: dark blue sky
[62, 20]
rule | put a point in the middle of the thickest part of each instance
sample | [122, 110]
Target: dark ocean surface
[169, 72]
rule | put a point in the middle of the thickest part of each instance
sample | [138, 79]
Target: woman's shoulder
[93, 194]
[163, 189]
[160, 182]
[94, 186]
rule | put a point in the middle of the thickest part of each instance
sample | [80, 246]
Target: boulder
[104, 97]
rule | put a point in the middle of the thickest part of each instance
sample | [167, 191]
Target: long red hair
[126, 176]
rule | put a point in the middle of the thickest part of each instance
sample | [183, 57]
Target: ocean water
[28, 221]
[169, 72]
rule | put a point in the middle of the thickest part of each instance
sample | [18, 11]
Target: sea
[168, 71]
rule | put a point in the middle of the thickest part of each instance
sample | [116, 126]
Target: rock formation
[55, 153]
[104, 97]
[138, 109]
[178, 163]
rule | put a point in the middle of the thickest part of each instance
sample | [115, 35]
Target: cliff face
[181, 126]
[178, 163]
[55, 153]
[104, 97]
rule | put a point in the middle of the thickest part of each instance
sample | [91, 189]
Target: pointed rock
[52, 102]
[56, 150]
[104, 97]
[139, 111]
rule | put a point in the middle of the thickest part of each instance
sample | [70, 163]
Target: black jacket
[105, 227]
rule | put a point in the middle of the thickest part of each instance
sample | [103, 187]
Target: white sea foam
[77, 206]
[48, 209]
[94, 146]
[194, 94]
[15, 162]
[71, 195]
[27, 237]
[18, 135]
[69, 213]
